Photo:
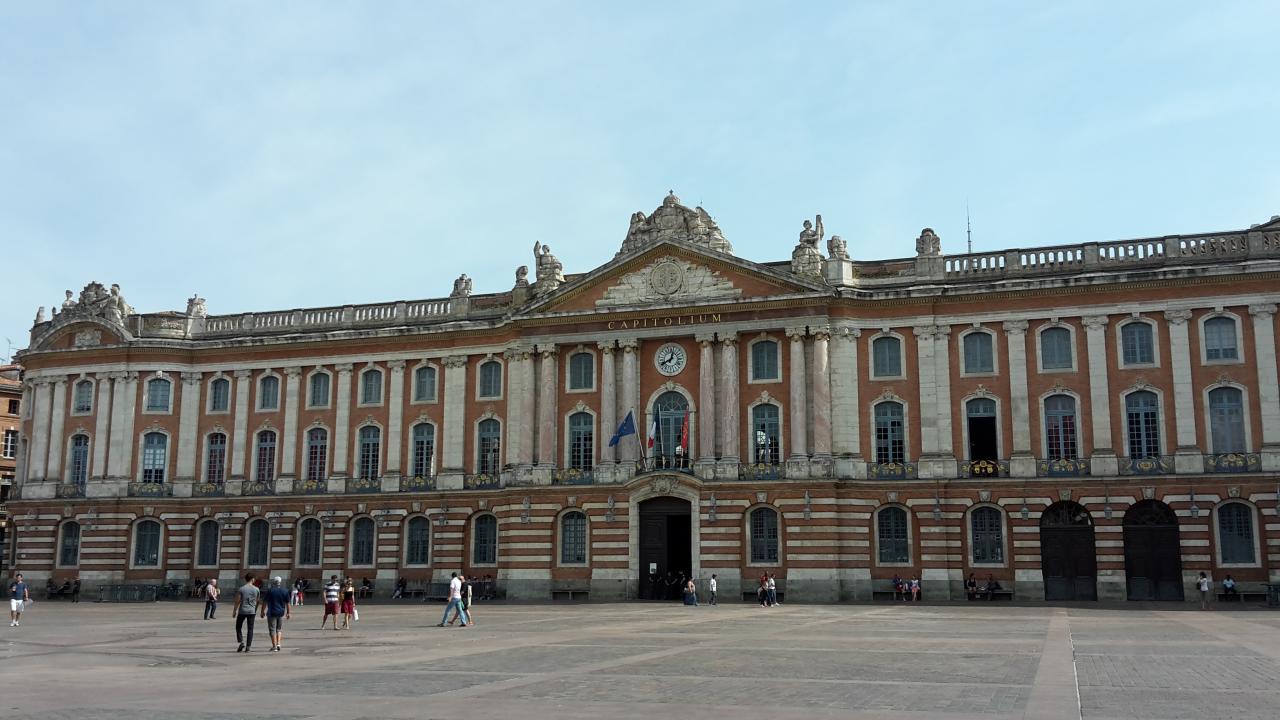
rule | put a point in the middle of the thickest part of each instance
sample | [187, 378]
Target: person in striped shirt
[331, 593]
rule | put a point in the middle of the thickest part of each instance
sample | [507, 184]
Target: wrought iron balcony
[984, 468]
[71, 490]
[265, 487]
[663, 463]
[364, 485]
[1063, 467]
[481, 481]
[1156, 465]
[1233, 463]
[208, 489]
[150, 489]
[760, 471]
[417, 483]
[573, 476]
[311, 487]
[891, 471]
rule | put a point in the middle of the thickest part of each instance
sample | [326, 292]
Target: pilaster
[609, 420]
[1187, 455]
[119, 439]
[53, 469]
[1264, 345]
[1021, 462]
[102, 420]
[342, 420]
[240, 428]
[1103, 461]
[395, 420]
[289, 443]
[40, 416]
[548, 423]
[455, 403]
[820, 381]
[128, 418]
[730, 406]
[706, 398]
[629, 452]
[846, 442]
[188, 417]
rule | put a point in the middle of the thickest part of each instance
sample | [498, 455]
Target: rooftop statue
[461, 287]
[673, 221]
[928, 243]
[837, 249]
[807, 259]
[522, 276]
[195, 306]
[96, 301]
[550, 270]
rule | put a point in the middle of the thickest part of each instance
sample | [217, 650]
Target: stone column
[119, 441]
[127, 416]
[53, 470]
[40, 414]
[395, 421]
[1264, 345]
[1021, 462]
[289, 444]
[1187, 455]
[1103, 461]
[629, 451]
[240, 426]
[925, 335]
[100, 427]
[942, 381]
[820, 374]
[455, 406]
[342, 421]
[609, 415]
[799, 415]
[845, 441]
[515, 420]
[548, 423]
[528, 420]
[730, 430]
[706, 400]
[188, 419]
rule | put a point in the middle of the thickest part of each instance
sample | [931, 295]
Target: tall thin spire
[968, 229]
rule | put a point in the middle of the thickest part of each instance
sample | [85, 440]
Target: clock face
[670, 359]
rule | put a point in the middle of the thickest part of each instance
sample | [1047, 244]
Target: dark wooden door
[653, 552]
[1069, 562]
[1152, 552]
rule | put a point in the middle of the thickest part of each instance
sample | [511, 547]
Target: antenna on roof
[968, 229]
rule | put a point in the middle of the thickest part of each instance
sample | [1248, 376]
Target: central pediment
[669, 279]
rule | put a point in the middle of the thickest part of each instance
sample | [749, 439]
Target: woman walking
[348, 604]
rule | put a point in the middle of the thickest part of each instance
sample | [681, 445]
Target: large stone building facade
[1089, 421]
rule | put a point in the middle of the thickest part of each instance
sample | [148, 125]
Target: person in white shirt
[1205, 584]
[455, 602]
[711, 588]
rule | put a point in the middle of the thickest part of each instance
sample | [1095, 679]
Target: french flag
[653, 431]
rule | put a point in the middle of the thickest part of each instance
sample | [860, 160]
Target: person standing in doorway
[1205, 585]
[211, 599]
[711, 588]
[19, 596]
[275, 608]
[455, 602]
[331, 593]
[247, 598]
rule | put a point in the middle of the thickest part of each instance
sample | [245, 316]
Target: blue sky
[279, 155]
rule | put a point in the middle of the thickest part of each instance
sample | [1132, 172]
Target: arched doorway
[1067, 554]
[1152, 552]
[665, 547]
[671, 410]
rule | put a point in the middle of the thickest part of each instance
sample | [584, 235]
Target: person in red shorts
[331, 593]
[348, 603]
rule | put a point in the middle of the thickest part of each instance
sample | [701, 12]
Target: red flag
[653, 430]
[684, 433]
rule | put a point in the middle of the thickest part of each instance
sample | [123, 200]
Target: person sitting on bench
[1229, 588]
[971, 585]
[992, 586]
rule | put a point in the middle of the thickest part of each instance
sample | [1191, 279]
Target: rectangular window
[371, 387]
[490, 380]
[158, 395]
[886, 357]
[13, 407]
[978, 355]
[581, 442]
[1138, 345]
[10, 443]
[219, 395]
[1220, 339]
[319, 390]
[424, 384]
[764, 360]
[269, 393]
[582, 371]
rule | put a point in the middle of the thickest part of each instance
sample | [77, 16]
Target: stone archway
[672, 498]
[1152, 552]
[1068, 556]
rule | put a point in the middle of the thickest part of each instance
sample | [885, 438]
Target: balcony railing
[150, 489]
[71, 490]
[311, 487]
[1156, 465]
[208, 489]
[364, 485]
[1063, 467]
[265, 487]
[573, 476]
[663, 463]
[481, 481]
[417, 483]
[1233, 463]
[891, 471]
[984, 468]
[760, 471]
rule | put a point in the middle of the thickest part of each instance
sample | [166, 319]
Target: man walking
[211, 599]
[275, 608]
[19, 596]
[331, 593]
[247, 598]
[455, 602]
[711, 588]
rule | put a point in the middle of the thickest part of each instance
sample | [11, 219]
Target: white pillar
[548, 423]
[54, 468]
[127, 418]
[820, 379]
[524, 425]
[289, 443]
[395, 418]
[1264, 344]
[119, 441]
[1187, 453]
[630, 451]
[609, 419]
[40, 414]
[188, 427]
[342, 420]
[730, 431]
[1021, 461]
[942, 381]
[799, 415]
[928, 396]
[1103, 460]
[455, 404]
[843, 354]
[101, 424]
[513, 428]
[240, 426]
[706, 397]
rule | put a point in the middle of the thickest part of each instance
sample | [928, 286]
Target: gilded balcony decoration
[1233, 463]
[1063, 467]
[208, 489]
[257, 488]
[573, 476]
[311, 487]
[481, 481]
[71, 490]
[984, 468]
[417, 483]
[150, 489]
[664, 464]
[364, 485]
[891, 471]
[1158, 465]
[759, 471]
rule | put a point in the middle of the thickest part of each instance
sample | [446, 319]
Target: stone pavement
[649, 661]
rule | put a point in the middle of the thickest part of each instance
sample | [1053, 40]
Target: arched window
[764, 360]
[309, 542]
[1235, 534]
[671, 410]
[418, 542]
[978, 354]
[146, 544]
[1142, 414]
[764, 535]
[893, 545]
[491, 379]
[259, 543]
[490, 446]
[1060, 427]
[269, 393]
[362, 541]
[158, 395]
[317, 453]
[155, 452]
[484, 542]
[424, 446]
[207, 544]
[1136, 343]
[219, 395]
[1055, 349]
[582, 371]
[69, 544]
[765, 436]
[890, 435]
[987, 535]
[1220, 339]
[82, 398]
[371, 387]
[266, 456]
[318, 394]
[1226, 419]
[980, 418]
[215, 464]
[78, 467]
[370, 451]
[573, 539]
[886, 357]
[424, 384]
[581, 441]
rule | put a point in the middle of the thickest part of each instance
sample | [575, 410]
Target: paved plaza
[649, 661]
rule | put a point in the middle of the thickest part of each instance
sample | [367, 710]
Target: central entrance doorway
[665, 547]
[1068, 556]
[1152, 552]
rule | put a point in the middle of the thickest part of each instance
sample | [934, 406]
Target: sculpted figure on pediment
[550, 270]
[674, 221]
[669, 279]
[807, 259]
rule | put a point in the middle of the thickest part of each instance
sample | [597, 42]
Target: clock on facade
[670, 359]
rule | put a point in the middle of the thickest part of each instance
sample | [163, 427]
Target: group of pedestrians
[252, 602]
[340, 597]
[767, 592]
[459, 602]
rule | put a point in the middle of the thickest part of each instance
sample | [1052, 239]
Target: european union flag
[628, 427]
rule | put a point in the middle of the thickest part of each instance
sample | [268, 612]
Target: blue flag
[628, 427]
